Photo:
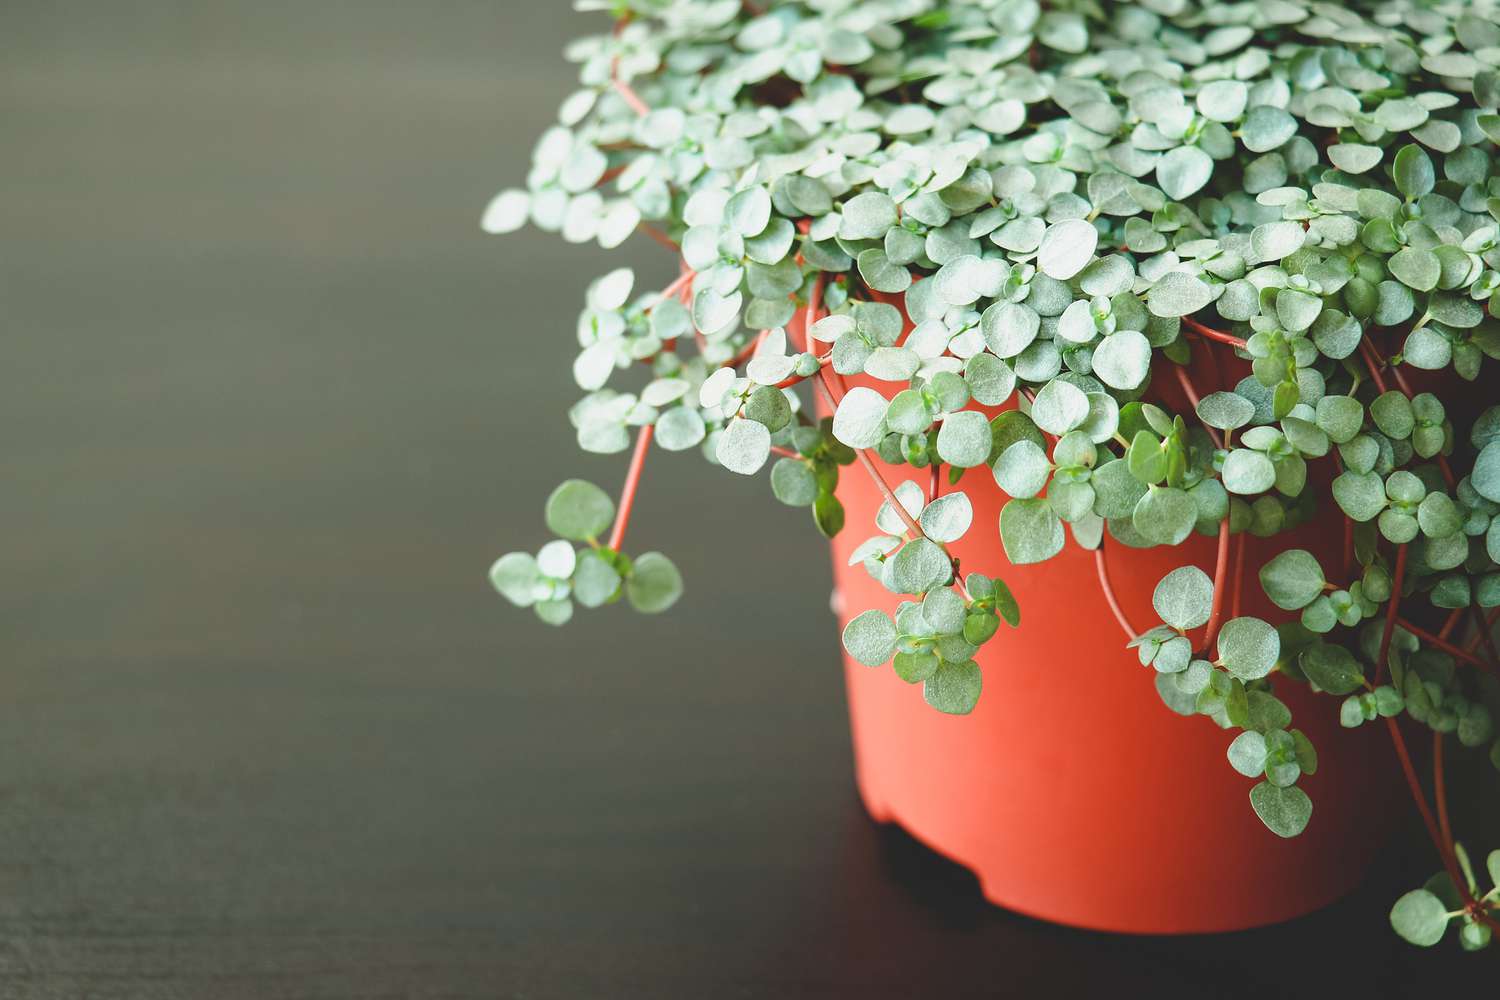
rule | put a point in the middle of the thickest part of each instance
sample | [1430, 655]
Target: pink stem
[632, 483]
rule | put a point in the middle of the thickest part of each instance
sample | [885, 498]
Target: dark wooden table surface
[271, 404]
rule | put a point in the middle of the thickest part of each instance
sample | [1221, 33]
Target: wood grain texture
[264, 732]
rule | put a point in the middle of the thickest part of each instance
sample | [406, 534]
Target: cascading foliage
[1047, 208]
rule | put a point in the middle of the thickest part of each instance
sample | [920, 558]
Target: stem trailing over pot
[1024, 220]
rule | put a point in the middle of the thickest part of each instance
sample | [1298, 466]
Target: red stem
[1221, 569]
[1212, 334]
[1438, 642]
[1416, 793]
[937, 482]
[1109, 592]
[1489, 623]
[632, 483]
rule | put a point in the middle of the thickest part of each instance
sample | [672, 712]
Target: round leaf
[579, 511]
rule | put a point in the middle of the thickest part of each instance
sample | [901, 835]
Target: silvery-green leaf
[1184, 598]
[579, 511]
[1222, 100]
[1178, 294]
[713, 312]
[506, 212]
[920, 566]
[1067, 248]
[557, 560]
[1284, 811]
[1427, 349]
[516, 576]
[991, 381]
[748, 212]
[1059, 407]
[1248, 647]
[830, 328]
[1022, 469]
[1247, 754]
[1183, 172]
[554, 611]
[1266, 128]
[867, 216]
[870, 638]
[1248, 472]
[963, 439]
[1225, 410]
[1412, 171]
[595, 581]
[954, 689]
[743, 447]
[1123, 360]
[1030, 531]
[1275, 240]
[1486, 475]
[947, 518]
[859, 421]
[880, 274]
[1353, 158]
[1340, 417]
[1165, 515]
[1292, 579]
[892, 364]
[1332, 668]
[1415, 268]
[793, 482]
[654, 584]
[1009, 328]
[1420, 917]
[911, 498]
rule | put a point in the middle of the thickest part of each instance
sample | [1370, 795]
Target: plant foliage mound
[1043, 211]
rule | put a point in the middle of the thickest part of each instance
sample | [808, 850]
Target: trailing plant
[1024, 220]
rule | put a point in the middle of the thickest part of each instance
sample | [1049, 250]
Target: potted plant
[1137, 357]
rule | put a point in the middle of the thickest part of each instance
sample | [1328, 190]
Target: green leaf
[1275, 240]
[1184, 171]
[1030, 531]
[579, 511]
[515, 577]
[1284, 811]
[1415, 268]
[1248, 647]
[1223, 100]
[1266, 128]
[1248, 472]
[1340, 417]
[867, 216]
[870, 638]
[794, 483]
[1332, 668]
[913, 668]
[964, 439]
[1353, 158]
[1022, 470]
[1292, 579]
[1420, 918]
[1392, 413]
[1123, 360]
[595, 581]
[1067, 247]
[859, 421]
[1247, 754]
[1059, 407]
[1165, 515]
[744, 446]
[920, 566]
[947, 518]
[954, 689]
[1226, 410]
[1412, 171]
[1360, 495]
[1184, 598]
[654, 584]
[1486, 475]
[1178, 294]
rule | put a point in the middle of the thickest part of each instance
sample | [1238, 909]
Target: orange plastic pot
[1072, 792]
